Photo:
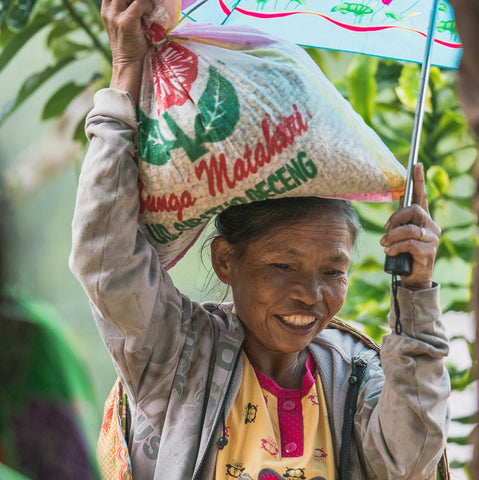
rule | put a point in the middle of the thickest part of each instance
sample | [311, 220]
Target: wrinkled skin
[287, 286]
[128, 44]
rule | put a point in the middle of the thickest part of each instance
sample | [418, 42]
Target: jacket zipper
[221, 417]
[357, 374]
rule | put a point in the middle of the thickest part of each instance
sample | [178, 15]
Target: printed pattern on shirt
[277, 433]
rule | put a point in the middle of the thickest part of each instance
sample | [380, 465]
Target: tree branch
[79, 20]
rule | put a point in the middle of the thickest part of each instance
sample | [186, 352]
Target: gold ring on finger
[423, 232]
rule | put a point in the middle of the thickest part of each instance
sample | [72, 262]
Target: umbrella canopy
[386, 28]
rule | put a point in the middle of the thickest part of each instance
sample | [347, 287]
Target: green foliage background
[383, 91]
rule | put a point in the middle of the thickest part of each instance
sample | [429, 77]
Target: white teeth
[299, 320]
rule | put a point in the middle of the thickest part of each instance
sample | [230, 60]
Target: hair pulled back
[240, 224]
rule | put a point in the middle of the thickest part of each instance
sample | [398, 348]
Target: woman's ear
[222, 258]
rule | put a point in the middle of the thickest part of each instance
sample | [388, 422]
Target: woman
[261, 388]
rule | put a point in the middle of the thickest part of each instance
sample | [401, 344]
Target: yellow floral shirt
[276, 433]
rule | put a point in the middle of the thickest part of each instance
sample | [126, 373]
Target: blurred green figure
[45, 395]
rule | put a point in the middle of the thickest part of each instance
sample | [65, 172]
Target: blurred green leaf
[408, 88]
[462, 247]
[370, 224]
[16, 42]
[29, 86]
[16, 13]
[450, 123]
[462, 187]
[438, 183]
[319, 58]
[455, 298]
[6, 473]
[457, 464]
[467, 420]
[437, 77]
[452, 214]
[65, 47]
[387, 74]
[454, 271]
[58, 102]
[60, 29]
[460, 378]
[459, 441]
[362, 85]
[79, 134]
[460, 160]
[369, 264]
[4, 9]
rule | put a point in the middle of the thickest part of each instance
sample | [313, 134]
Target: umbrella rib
[233, 8]
[190, 11]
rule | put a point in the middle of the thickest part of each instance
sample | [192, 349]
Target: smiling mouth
[298, 320]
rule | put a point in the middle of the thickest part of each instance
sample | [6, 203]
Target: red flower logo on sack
[175, 68]
[154, 32]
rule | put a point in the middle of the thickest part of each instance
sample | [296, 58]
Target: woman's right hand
[122, 19]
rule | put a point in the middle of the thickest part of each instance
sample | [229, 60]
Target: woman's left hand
[411, 229]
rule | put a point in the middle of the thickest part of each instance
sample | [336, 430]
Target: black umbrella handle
[400, 264]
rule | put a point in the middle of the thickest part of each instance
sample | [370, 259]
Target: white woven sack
[232, 116]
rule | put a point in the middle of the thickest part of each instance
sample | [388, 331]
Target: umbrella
[420, 31]
[387, 28]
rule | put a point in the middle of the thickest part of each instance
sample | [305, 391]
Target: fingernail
[388, 224]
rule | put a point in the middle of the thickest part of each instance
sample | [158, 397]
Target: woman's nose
[308, 291]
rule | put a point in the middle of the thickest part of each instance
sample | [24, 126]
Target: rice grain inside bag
[229, 116]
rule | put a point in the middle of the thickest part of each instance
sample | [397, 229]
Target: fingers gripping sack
[230, 115]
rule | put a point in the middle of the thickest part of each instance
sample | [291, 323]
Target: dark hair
[240, 224]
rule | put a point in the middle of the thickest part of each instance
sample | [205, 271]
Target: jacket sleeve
[403, 425]
[133, 300]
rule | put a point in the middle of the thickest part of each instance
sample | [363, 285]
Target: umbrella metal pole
[402, 264]
[421, 102]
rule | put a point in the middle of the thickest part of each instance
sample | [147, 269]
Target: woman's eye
[336, 273]
[282, 266]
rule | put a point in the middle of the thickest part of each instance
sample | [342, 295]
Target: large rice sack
[230, 115]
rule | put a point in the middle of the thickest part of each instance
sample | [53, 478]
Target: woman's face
[288, 285]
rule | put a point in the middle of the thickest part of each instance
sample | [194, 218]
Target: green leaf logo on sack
[218, 114]
[219, 107]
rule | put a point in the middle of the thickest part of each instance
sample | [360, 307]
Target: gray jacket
[179, 361]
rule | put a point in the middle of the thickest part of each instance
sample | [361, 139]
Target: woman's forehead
[293, 236]
[318, 222]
